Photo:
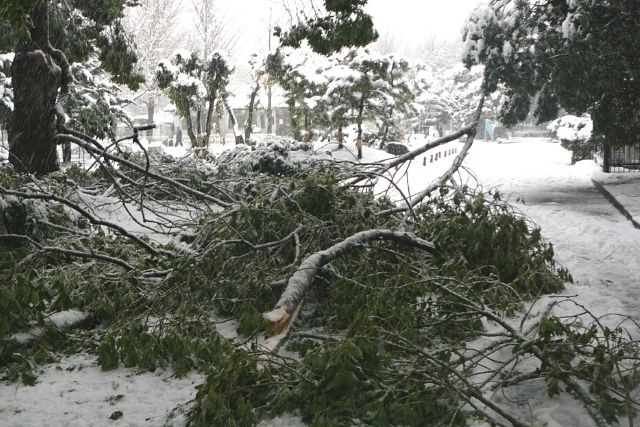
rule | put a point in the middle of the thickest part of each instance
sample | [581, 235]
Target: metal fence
[617, 159]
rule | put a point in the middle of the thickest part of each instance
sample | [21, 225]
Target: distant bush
[574, 134]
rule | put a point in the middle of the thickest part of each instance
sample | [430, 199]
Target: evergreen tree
[300, 74]
[345, 24]
[194, 85]
[581, 55]
[94, 103]
[364, 85]
[46, 36]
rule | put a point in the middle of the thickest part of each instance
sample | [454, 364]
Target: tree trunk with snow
[359, 140]
[210, 115]
[234, 123]
[269, 111]
[385, 134]
[279, 318]
[248, 124]
[189, 121]
[151, 109]
[294, 123]
[38, 71]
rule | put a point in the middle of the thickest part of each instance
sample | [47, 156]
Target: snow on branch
[280, 317]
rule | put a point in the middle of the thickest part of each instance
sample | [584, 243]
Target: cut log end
[278, 320]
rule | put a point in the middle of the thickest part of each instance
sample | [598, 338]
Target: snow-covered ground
[592, 239]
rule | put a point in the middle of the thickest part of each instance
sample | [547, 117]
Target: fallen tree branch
[192, 192]
[457, 162]
[43, 250]
[280, 317]
[92, 219]
[566, 376]
[382, 167]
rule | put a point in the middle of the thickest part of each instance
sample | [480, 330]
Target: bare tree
[387, 44]
[156, 30]
[214, 28]
[438, 52]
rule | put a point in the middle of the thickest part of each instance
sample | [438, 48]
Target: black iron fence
[617, 159]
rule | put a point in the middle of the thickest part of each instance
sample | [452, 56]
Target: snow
[591, 238]
[507, 50]
[572, 128]
[625, 187]
[76, 392]
[480, 18]
[67, 318]
[568, 27]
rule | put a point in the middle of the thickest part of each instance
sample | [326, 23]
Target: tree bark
[209, 123]
[269, 111]
[248, 123]
[234, 122]
[278, 319]
[36, 80]
[294, 123]
[359, 140]
[189, 120]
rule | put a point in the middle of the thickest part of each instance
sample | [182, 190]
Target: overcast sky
[409, 21]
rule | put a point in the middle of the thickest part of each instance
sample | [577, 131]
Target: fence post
[606, 158]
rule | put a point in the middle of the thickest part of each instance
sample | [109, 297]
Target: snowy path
[592, 238]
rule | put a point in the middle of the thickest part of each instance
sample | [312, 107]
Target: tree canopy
[194, 85]
[578, 55]
[46, 36]
[77, 28]
[344, 24]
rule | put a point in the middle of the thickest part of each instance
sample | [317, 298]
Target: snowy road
[592, 238]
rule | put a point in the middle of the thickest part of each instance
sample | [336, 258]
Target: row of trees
[555, 53]
[69, 55]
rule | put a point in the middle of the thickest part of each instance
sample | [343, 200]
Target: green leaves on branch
[580, 56]
[345, 24]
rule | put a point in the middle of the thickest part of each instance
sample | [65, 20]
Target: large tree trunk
[36, 80]
[248, 123]
[269, 111]
[234, 122]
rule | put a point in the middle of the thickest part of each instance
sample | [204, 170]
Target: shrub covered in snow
[574, 134]
[283, 157]
[6, 93]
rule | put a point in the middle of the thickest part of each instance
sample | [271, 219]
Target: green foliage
[77, 27]
[21, 301]
[13, 22]
[93, 102]
[190, 83]
[481, 234]
[382, 303]
[180, 343]
[579, 55]
[345, 24]
[596, 354]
